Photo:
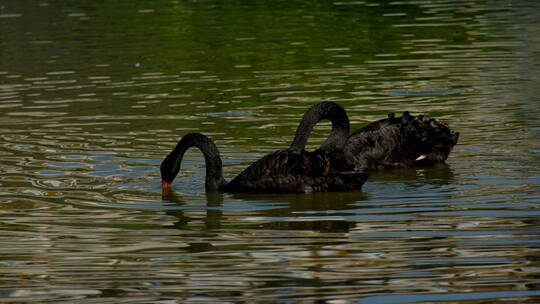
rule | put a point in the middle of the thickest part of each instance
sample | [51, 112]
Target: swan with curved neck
[290, 170]
[405, 141]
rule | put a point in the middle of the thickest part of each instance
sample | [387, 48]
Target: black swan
[405, 141]
[290, 170]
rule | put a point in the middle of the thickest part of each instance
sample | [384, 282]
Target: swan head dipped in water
[441, 141]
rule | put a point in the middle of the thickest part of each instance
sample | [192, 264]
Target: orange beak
[165, 185]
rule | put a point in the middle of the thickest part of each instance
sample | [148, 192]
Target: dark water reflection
[94, 94]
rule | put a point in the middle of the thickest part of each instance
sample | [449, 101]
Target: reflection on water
[92, 96]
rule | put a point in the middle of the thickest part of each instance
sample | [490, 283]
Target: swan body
[289, 170]
[405, 141]
[295, 171]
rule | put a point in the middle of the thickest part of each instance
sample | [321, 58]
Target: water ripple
[88, 114]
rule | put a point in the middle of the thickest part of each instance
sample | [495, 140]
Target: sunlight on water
[87, 115]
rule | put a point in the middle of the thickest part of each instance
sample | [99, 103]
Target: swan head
[441, 147]
[169, 170]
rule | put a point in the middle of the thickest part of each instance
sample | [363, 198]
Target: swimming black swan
[405, 141]
[290, 170]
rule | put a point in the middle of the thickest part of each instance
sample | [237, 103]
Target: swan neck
[326, 110]
[214, 171]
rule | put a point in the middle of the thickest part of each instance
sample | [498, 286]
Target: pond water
[94, 94]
